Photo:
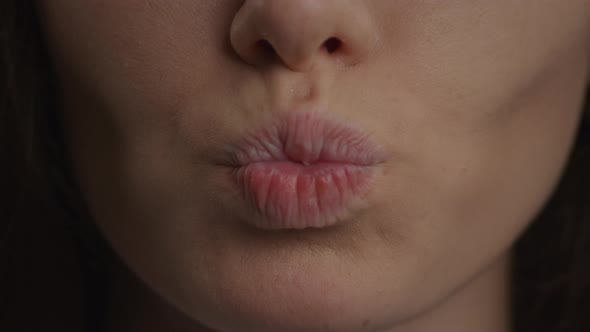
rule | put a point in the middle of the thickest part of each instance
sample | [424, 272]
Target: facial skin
[476, 103]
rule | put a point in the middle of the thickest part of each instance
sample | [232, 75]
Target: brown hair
[551, 273]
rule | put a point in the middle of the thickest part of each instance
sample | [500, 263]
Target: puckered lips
[304, 169]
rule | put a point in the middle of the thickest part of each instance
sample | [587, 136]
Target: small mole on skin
[366, 322]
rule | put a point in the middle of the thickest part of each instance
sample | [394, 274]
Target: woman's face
[471, 105]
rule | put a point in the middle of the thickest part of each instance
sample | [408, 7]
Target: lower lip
[289, 195]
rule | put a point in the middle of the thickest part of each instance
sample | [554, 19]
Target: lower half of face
[474, 112]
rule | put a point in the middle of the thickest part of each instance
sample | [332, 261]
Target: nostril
[265, 46]
[332, 44]
[266, 50]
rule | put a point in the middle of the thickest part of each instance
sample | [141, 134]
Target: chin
[291, 305]
[295, 293]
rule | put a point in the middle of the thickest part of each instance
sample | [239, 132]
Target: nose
[300, 33]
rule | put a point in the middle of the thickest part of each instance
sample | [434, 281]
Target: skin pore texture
[475, 102]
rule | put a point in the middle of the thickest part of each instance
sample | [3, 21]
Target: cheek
[140, 55]
[482, 117]
[472, 178]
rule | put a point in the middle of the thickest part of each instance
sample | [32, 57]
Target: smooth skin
[476, 101]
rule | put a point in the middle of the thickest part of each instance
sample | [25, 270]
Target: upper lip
[305, 137]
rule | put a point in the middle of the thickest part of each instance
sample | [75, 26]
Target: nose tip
[300, 33]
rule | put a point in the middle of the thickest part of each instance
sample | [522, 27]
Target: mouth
[304, 170]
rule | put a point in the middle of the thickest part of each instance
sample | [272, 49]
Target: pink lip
[305, 169]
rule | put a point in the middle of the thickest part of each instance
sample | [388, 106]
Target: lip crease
[304, 170]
